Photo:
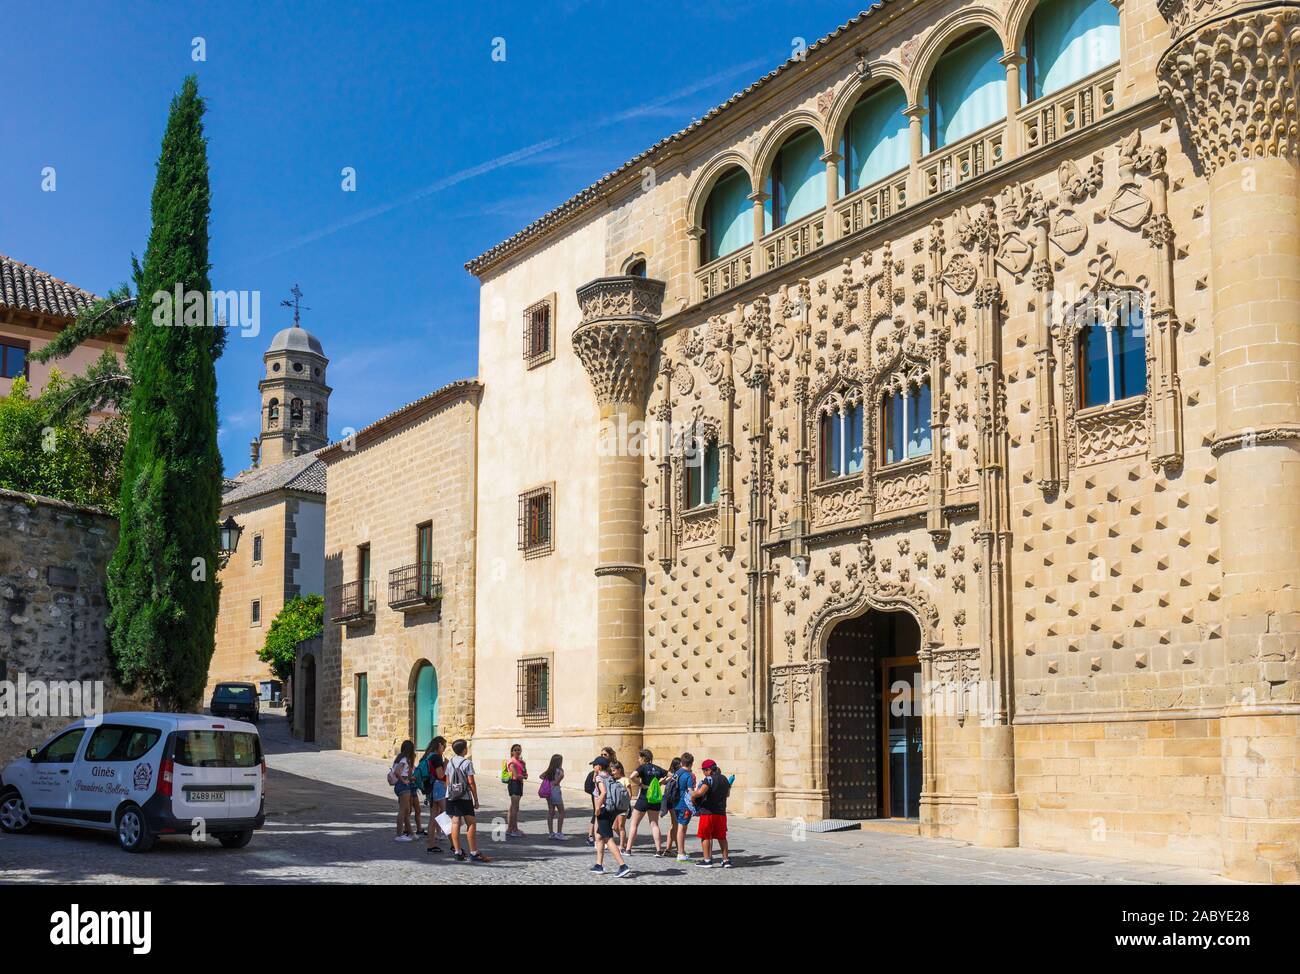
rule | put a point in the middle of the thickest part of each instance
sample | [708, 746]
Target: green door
[426, 706]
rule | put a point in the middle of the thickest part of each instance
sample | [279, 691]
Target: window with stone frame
[535, 521]
[1111, 348]
[702, 472]
[295, 413]
[257, 549]
[539, 332]
[839, 432]
[273, 414]
[533, 686]
[255, 613]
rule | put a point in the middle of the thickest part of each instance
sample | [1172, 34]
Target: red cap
[710, 763]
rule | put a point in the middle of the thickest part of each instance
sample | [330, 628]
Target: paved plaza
[331, 820]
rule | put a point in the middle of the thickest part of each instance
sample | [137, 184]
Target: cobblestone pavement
[331, 820]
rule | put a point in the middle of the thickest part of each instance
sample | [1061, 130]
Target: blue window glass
[728, 216]
[711, 474]
[797, 182]
[702, 475]
[13, 361]
[918, 421]
[1068, 40]
[967, 90]
[875, 139]
[853, 439]
[894, 427]
[1112, 351]
[1131, 371]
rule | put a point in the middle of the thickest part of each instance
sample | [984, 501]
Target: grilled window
[256, 612]
[534, 686]
[257, 548]
[539, 332]
[535, 537]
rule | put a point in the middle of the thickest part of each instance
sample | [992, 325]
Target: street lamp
[230, 532]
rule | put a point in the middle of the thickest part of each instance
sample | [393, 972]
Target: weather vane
[296, 304]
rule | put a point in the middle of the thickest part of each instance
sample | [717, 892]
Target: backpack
[423, 780]
[544, 790]
[654, 793]
[457, 779]
[393, 777]
[672, 791]
[617, 799]
[505, 772]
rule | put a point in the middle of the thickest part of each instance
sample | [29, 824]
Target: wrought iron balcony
[415, 586]
[353, 601]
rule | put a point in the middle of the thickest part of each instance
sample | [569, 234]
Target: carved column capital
[1231, 76]
[616, 341]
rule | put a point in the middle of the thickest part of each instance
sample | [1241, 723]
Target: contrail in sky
[508, 159]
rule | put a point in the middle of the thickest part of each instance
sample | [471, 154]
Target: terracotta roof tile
[25, 288]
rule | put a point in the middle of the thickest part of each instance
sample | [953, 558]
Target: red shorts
[713, 827]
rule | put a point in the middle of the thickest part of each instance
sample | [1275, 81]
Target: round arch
[776, 137]
[879, 75]
[940, 39]
[715, 169]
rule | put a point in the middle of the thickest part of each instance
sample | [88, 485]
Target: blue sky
[453, 151]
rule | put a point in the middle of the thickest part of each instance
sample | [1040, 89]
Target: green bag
[654, 794]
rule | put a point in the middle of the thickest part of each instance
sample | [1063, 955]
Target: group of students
[619, 802]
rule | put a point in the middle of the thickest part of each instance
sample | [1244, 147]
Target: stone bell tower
[295, 398]
[616, 343]
[1232, 75]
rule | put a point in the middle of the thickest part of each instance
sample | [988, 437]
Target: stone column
[832, 160]
[616, 343]
[1231, 74]
[916, 145]
[758, 199]
[1011, 146]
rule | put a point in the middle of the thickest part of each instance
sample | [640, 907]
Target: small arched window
[637, 268]
[1112, 352]
[702, 474]
[1067, 40]
[295, 412]
[875, 142]
[796, 183]
[841, 441]
[318, 417]
[967, 89]
[728, 217]
[905, 421]
[273, 414]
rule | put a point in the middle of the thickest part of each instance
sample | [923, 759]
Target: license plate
[206, 796]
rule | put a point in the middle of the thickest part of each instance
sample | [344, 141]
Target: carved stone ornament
[960, 273]
[616, 341]
[1232, 80]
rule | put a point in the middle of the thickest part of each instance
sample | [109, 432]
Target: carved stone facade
[1098, 655]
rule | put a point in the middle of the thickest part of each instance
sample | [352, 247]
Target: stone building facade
[397, 656]
[1010, 433]
[53, 572]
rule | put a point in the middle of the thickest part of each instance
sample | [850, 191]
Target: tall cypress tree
[162, 584]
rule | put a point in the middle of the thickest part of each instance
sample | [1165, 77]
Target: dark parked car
[237, 700]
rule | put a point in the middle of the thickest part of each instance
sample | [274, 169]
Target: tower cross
[296, 304]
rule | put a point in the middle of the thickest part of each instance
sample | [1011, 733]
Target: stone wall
[53, 563]
[413, 468]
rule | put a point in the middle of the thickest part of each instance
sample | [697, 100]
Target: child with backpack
[514, 775]
[431, 779]
[399, 776]
[668, 805]
[711, 800]
[611, 800]
[684, 806]
[550, 792]
[649, 777]
[462, 800]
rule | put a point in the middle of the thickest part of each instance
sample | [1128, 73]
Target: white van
[142, 776]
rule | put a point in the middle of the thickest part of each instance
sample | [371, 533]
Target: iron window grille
[539, 332]
[534, 688]
[419, 584]
[353, 600]
[535, 510]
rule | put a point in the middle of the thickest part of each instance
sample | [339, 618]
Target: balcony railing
[871, 204]
[724, 273]
[791, 242]
[963, 161]
[415, 586]
[353, 601]
[1056, 116]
